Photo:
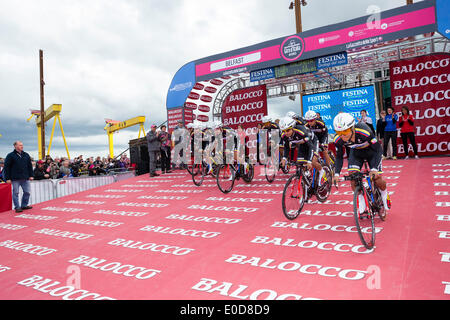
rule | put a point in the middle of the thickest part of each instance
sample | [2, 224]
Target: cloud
[116, 59]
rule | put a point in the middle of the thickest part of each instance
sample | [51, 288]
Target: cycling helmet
[190, 126]
[266, 119]
[343, 121]
[286, 123]
[310, 115]
[291, 114]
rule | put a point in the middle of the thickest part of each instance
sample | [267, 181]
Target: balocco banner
[423, 85]
[245, 107]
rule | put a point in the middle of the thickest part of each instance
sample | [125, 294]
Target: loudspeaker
[139, 155]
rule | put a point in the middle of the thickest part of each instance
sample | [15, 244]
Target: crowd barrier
[44, 190]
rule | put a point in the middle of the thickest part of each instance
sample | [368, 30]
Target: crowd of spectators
[58, 168]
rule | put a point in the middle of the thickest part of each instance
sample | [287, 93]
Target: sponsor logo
[27, 247]
[183, 232]
[105, 196]
[181, 86]
[323, 227]
[98, 223]
[64, 234]
[153, 247]
[11, 226]
[309, 269]
[92, 203]
[66, 292]
[308, 244]
[203, 219]
[145, 205]
[62, 209]
[122, 213]
[36, 217]
[126, 270]
[243, 292]
[222, 208]
[292, 48]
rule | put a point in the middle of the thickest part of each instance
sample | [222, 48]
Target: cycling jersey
[305, 140]
[365, 147]
[320, 130]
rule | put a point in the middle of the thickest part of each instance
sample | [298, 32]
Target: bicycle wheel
[248, 176]
[364, 221]
[198, 174]
[189, 168]
[293, 197]
[225, 177]
[323, 192]
[270, 170]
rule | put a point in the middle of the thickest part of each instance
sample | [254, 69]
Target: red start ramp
[165, 239]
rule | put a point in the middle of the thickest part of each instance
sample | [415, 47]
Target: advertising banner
[405, 21]
[263, 74]
[333, 60]
[173, 115]
[353, 101]
[422, 85]
[245, 107]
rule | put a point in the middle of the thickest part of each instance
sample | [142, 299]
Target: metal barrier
[45, 190]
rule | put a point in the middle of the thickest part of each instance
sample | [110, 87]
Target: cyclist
[300, 120]
[363, 145]
[318, 127]
[306, 142]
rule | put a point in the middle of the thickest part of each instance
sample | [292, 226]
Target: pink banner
[422, 85]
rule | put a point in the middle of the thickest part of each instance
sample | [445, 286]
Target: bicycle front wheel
[198, 174]
[364, 220]
[249, 174]
[293, 197]
[225, 178]
[270, 170]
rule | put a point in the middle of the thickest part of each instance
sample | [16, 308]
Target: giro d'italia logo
[292, 48]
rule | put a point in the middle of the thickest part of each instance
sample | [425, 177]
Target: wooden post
[41, 85]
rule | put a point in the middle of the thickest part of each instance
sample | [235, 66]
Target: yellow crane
[114, 126]
[52, 112]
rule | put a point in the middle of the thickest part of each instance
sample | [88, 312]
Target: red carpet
[164, 238]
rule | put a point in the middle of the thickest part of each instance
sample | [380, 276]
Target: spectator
[18, 171]
[2, 167]
[65, 170]
[406, 125]
[40, 172]
[367, 120]
[165, 150]
[154, 146]
[380, 126]
[390, 132]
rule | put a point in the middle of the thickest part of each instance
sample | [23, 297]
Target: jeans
[26, 187]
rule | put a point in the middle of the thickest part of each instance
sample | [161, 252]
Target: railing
[44, 190]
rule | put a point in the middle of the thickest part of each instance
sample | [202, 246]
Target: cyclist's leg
[375, 163]
[355, 163]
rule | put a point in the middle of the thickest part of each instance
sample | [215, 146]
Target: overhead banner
[333, 60]
[245, 107]
[263, 74]
[353, 101]
[422, 85]
[443, 17]
[406, 21]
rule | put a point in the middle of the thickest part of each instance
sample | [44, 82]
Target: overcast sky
[115, 59]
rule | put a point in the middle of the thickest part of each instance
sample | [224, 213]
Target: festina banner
[245, 107]
[423, 85]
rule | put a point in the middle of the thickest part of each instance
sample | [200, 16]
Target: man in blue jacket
[390, 132]
[19, 171]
